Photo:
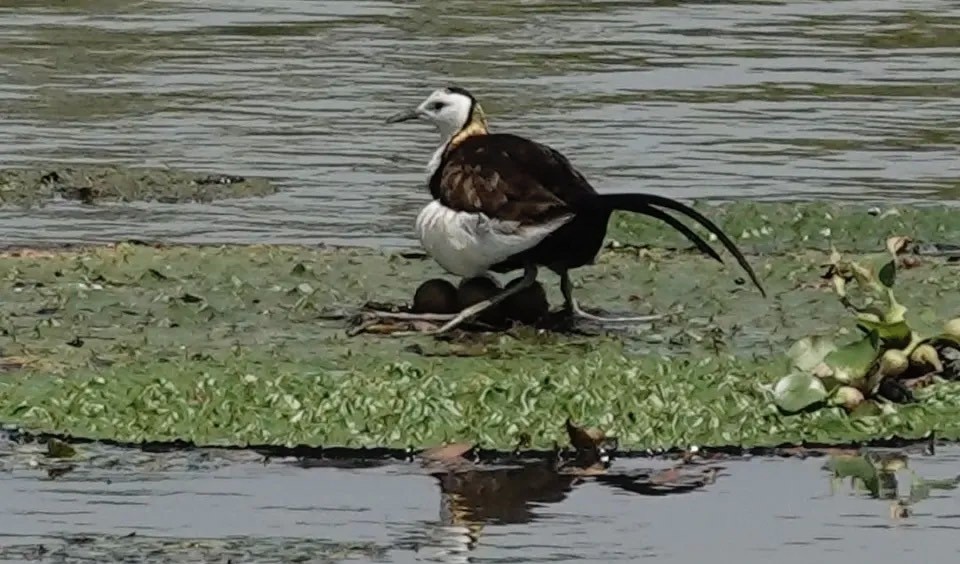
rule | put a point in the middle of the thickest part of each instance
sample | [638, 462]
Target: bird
[501, 202]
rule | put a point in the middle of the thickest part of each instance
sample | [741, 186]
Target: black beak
[405, 115]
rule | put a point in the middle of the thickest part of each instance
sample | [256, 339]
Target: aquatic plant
[241, 345]
[883, 475]
[886, 362]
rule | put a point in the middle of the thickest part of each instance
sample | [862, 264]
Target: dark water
[846, 99]
[124, 506]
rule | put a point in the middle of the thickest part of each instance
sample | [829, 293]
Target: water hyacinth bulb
[893, 363]
[847, 396]
[952, 329]
[925, 356]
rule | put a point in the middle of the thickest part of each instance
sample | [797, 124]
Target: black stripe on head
[464, 92]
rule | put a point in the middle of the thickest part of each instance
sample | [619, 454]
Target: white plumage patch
[468, 244]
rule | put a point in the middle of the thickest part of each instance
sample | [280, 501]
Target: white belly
[468, 244]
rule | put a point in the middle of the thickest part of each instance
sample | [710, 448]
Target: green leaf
[868, 408]
[798, 391]
[845, 395]
[851, 362]
[808, 352]
[888, 274]
[893, 335]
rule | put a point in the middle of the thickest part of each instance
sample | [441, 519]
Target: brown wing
[508, 177]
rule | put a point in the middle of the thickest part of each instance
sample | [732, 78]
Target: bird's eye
[437, 106]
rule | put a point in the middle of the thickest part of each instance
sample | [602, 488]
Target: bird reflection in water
[475, 495]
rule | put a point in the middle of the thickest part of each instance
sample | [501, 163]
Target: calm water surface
[845, 99]
[191, 508]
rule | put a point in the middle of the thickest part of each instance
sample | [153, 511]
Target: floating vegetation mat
[39, 184]
[237, 345]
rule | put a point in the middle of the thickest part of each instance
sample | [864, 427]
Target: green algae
[785, 228]
[381, 401]
[91, 184]
[248, 344]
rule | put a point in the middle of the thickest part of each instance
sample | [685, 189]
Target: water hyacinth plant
[887, 476]
[889, 359]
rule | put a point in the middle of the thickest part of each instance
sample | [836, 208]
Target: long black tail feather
[642, 204]
[690, 234]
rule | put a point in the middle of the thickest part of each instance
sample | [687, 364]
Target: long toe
[634, 319]
[579, 312]
[407, 316]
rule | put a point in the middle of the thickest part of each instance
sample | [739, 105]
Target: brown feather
[511, 178]
[507, 177]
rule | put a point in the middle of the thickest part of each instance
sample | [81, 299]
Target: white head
[448, 109]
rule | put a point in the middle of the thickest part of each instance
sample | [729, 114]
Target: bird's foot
[408, 316]
[405, 324]
[387, 322]
[575, 310]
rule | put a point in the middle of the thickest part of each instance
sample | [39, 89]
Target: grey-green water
[846, 99]
[841, 99]
[124, 506]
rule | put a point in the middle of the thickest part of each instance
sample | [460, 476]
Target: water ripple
[854, 100]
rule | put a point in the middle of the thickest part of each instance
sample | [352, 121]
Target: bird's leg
[408, 316]
[570, 303]
[529, 278]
